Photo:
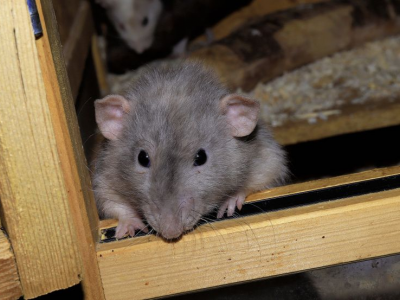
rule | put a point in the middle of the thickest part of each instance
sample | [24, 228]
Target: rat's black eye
[200, 158]
[145, 21]
[144, 159]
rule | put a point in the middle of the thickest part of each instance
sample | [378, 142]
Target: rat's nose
[170, 226]
[171, 233]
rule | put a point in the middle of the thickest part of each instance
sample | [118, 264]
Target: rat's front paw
[230, 204]
[129, 226]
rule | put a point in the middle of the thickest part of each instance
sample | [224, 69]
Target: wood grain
[10, 287]
[253, 247]
[34, 195]
[69, 145]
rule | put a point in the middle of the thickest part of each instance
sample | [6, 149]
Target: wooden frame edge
[69, 144]
[254, 247]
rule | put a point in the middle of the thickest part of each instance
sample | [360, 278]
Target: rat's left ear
[241, 113]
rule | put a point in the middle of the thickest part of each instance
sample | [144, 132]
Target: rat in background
[135, 20]
[178, 146]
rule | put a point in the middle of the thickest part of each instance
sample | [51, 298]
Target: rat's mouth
[171, 229]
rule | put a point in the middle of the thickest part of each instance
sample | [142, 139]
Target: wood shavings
[318, 91]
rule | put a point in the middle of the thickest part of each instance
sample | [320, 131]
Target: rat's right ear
[110, 112]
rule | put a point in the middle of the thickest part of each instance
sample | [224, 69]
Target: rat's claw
[222, 209]
[230, 204]
[129, 226]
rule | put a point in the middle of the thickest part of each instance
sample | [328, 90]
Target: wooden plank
[10, 287]
[354, 119]
[253, 247]
[34, 196]
[69, 145]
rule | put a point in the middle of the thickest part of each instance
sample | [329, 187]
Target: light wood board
[34, 196]
[69, 145]
[254, 247]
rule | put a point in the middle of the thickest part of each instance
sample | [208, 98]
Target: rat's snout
[174, 221]
[170, 227]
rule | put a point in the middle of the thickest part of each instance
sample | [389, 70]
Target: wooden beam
[354, 118]
[253, 247]
[69, 145]
[10, 287]
[34, 195]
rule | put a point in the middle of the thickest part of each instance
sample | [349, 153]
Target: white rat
[135, 20]
[179, 146]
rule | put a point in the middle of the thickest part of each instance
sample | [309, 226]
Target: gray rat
[179, 146]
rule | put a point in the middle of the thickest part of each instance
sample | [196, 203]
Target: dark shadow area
[344, 154]
[296, 286]
[75, 292]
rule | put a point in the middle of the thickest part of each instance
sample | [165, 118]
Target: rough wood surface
[280, 42]
[253, 247]
[351, 119]
[10, 287]
[69, 145]
[256, 9]
[34, 195]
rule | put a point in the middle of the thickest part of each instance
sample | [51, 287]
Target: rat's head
[174, 133]
[135, 20]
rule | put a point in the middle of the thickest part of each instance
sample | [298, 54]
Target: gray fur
[175, 112]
